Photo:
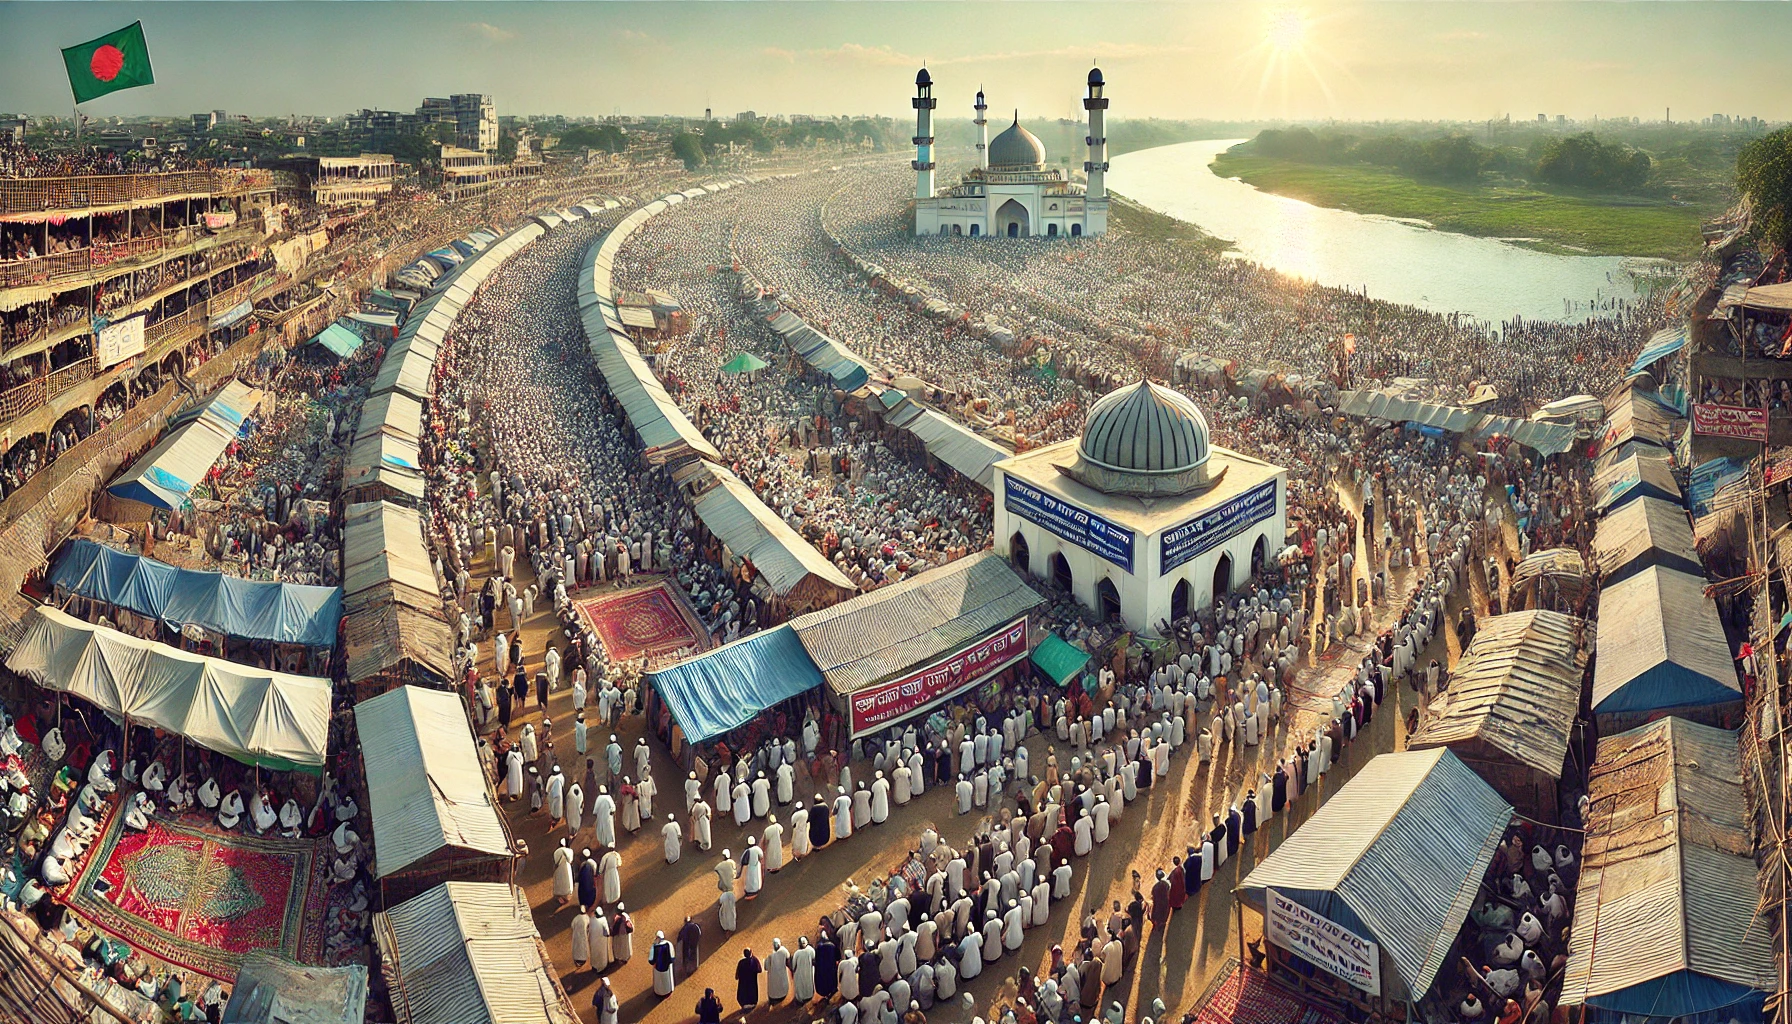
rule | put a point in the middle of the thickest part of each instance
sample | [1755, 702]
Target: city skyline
[1225, 61]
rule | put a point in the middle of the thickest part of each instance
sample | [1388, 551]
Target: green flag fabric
[114, 61]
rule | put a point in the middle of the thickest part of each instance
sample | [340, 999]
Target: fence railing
[78, 192]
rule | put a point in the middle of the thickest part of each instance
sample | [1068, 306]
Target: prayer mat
[1249, 997]
[197, 899]
[647, 622]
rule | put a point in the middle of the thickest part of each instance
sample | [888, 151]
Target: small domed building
[1141, 516]
[1011, 193]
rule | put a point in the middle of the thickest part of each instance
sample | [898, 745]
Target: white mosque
[1011, 192]
[1142, 517]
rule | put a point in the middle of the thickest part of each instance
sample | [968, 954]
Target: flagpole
[77, 109]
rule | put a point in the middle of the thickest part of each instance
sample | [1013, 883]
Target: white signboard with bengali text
[120, 340]
[1322, 942]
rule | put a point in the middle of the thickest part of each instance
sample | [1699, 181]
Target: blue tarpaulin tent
[186, 452]
[728, 687]
[1663, 343]
[249, 609]
[338, 339]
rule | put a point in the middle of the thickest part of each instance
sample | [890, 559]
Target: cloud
[779, 53]
[629, 35]
[491, 33]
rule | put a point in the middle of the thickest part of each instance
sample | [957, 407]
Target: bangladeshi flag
[117, 60]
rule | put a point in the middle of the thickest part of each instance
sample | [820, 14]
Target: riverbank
[1550, 221]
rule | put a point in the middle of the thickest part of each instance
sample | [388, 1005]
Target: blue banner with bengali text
[1079, 526]
[1211, 529]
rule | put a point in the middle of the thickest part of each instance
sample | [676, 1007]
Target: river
[1395, 260]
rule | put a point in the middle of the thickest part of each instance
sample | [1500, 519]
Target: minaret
[924, 104]
[1097, 166]
[982, 123]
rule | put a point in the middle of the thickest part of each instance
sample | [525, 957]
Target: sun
[1287, 29]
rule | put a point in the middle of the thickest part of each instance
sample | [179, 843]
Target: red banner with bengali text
[1730, 421]
[879, 705]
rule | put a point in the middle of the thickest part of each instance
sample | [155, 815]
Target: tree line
[1581, 160]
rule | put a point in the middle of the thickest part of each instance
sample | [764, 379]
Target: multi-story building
[473, 115]
[107, 278]
[468, 172]
[356, 180]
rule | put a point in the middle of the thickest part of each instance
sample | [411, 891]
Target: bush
[1583, 161]
[1764, 175]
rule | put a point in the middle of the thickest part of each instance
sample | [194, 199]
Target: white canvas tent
[269, 719]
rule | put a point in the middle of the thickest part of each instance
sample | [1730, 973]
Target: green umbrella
[746, 362]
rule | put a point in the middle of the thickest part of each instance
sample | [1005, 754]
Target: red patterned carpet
[198, 899]
[650, 622]
[1248, 997]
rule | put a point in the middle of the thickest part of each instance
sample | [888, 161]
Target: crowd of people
[875, 513]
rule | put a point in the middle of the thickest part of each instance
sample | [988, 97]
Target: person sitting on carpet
[55, 872]
[346, 808]
[14, 772]
[155, 777]
[99, 773]
[261, 812]
[291, 818]
[180, 794]
[62, 785]
[10, 743]
[230, 811]
[53, 746]
[209, 794]
[136, 813]
[18, 808]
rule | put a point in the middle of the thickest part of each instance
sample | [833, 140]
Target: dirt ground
[1175, 965]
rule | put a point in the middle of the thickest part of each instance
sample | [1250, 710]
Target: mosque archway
[1076, 231]
[1179, 599]
[1020, 553]
[1051, 231]
[1060, 567]
[1222, 577]
[1259, 551]
[1011, 219]
[976, 230]
[1107, 599]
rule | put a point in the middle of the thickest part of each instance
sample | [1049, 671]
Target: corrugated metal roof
[1632, 477]
[1645, 532]
[387, 459]
[1661, 645]
[1542, 438]
[1640, 417]
[897, 627]
[1668, 880]
[165, 474]
[270, 990]
[393, 412]
[1559, 562]
[468, 953]
[384, 542]
[971, 454]
[1516, 689]
[735, 514]
[728, 687]
[426, 789]
[1398, 853]
[383, 629]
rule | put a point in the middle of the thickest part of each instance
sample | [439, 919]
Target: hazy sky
[1457, 60]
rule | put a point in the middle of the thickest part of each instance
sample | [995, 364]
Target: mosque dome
[923, 78]
[1095, 76]
[1144, 440]
[1016, 149]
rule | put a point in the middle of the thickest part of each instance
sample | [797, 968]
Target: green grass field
[1548, 220]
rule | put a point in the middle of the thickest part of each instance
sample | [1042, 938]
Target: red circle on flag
[106, 63]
